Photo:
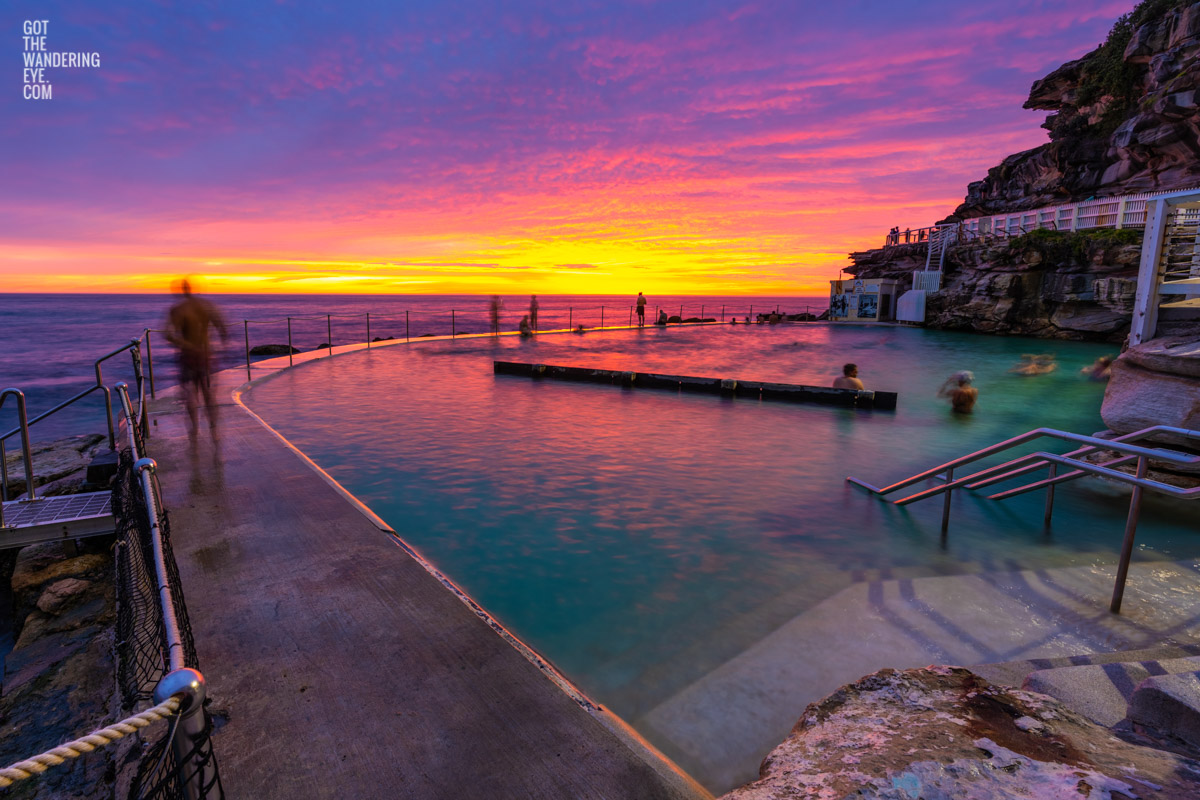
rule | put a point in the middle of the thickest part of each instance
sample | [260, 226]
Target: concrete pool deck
[391, 686]
[341, 666]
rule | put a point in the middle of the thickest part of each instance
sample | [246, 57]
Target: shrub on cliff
[1073, 247]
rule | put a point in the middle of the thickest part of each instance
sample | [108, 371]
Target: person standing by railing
[494, 311]
[533, 309]
[641, 309]
[188, 322]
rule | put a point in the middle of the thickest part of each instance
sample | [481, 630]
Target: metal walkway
[51, 519]
[1077, 468]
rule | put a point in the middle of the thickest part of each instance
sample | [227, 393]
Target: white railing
[1126, 211]
[928, 281]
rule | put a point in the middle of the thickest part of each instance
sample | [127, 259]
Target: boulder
[944, 733]
[53, 460]
[273, 350]
[1137, 398]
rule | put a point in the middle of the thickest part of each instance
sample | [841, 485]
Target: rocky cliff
[1124, 119]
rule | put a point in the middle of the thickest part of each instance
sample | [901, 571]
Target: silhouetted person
[188, 322]
[1035, 365]
[849, 378]
[533, 309]
[960, 391]
[494, 311]
[641, 309]
[662, 318]
[524, 327]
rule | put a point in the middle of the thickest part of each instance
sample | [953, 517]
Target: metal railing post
[368, 330]
[1135, 508]
[290, 348]
[453, 326]
[946, 502]
[150, 363]
[329, 333]
[406, 325]
[3, 480]
[701, 312]
[1050, 494]
[722, 313]
[26, 454]
[200, 774]
[751, 312]
[246, 330]
[631, 316]
[570, 318]
[108, 412]
[601, 316]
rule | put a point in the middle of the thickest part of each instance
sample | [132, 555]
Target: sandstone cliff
[1125, 119]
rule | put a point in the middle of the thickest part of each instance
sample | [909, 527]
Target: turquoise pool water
[639, 539]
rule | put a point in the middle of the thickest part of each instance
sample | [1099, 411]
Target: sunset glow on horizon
[578, 148]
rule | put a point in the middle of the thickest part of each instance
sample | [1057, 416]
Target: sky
[407, 146]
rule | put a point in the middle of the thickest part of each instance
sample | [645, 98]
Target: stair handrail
[26, 453]
[1095, 442]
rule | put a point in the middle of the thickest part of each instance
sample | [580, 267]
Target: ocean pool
[640, 539]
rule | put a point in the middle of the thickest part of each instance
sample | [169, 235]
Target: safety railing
[456, 322]
[24, 424]
[157, 654]
[1052, 461]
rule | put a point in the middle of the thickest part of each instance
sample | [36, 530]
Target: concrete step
[1014, 673]
[1170, 704]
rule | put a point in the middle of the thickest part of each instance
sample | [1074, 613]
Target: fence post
[453, 329]
[406, 325]
[751, 312]
[722, 313]
[570, 318]
[601, 316]
[196, 774]
[329, 333]
[701, 312]
[631, 316]
[246, 330]
[368, 330]
[150, 363]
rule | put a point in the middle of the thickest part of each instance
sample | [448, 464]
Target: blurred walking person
[533, 309]
[188, 323]
[494, 310]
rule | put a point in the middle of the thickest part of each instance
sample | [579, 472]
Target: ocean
[50, 342]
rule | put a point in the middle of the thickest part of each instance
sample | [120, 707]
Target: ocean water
[639, 539]
[49, 342]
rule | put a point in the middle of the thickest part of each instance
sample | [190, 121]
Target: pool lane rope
[99, 738]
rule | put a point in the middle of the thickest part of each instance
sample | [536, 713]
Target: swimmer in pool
[1035, 365]
[849, 378]
[1101, 370]
[960, 391]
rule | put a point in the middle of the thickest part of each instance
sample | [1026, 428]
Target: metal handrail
[179, 680]
[26, 452]
[1031, 461]
[1100, 444]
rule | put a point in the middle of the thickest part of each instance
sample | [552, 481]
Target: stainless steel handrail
[1100, 444]
[179, 679]
[26, 452]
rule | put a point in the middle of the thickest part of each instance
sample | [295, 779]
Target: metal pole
[3, 479]
[368, 330]
[1135, 507]
[108, 412]
[198, 777]
[1050, 494]
[329, 333]
[702, 311]
[150, 363]
[946, 502]
[722, 313]
[601, 316]
[681, 312]
[631, 316]
[453, 331]
[289, 341]
[406, 325]
[26, 454]
[246, 327]
[570, 318]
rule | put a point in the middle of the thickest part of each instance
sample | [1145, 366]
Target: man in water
[849, 378]
[962, 394]
[641, 309]
[187, 328]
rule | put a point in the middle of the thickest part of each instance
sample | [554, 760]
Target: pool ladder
[1077, 468]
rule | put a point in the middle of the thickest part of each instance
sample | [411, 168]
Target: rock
[274, 350]
[944, 733]
[1137, 398]
[59, 594]
[383, 339]
[1169, 704]
[1174, 355]
[322, 346]
[674, 320]
[53, 460]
